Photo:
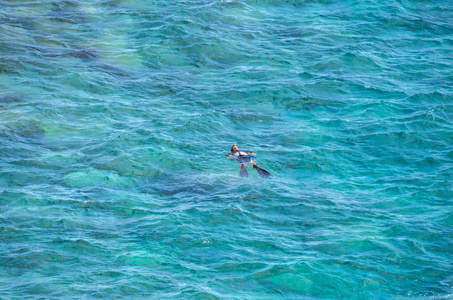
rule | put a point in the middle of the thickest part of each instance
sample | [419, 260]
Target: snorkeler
[243, 157]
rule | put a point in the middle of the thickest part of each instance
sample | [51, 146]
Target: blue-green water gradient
[116, 115]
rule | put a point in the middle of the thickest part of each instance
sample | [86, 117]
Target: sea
[116, 117]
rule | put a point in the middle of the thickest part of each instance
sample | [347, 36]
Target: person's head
[234, 148]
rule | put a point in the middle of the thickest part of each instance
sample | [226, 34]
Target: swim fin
[262, 172]
[243, 171]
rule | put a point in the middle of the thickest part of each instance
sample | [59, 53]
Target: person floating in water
[243, 157]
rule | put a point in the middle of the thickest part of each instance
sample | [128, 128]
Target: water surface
[115, 117]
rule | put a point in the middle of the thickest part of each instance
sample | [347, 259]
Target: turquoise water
[116, 115]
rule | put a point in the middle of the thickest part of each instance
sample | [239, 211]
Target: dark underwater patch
[9, 98]
[28, 131]
[306, 103]
[250, 117]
